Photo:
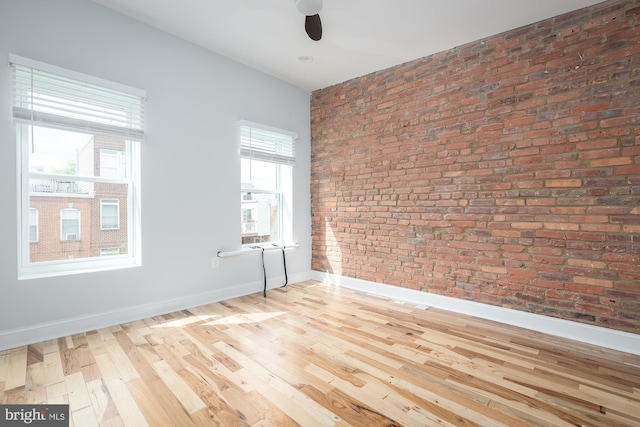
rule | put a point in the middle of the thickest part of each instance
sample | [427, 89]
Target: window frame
[283, 157]
[28, 270]
[131, 132]
[64, 237]
[109, 202]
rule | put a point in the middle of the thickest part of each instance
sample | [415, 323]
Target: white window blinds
[259, 142]
[45, 95]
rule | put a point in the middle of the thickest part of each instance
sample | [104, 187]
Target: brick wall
[49, 246]
[504, 171]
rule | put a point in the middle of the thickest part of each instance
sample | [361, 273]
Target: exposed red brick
[507, 171]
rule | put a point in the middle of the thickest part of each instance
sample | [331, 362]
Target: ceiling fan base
[308, 7]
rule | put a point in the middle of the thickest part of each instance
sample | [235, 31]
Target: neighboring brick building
[80, 219]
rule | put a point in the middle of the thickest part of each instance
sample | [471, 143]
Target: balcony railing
[54, 186]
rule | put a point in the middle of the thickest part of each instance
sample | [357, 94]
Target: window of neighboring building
[69, 224]
[79, 154]
[267, 160]
[109, 214]
[112, 163]
[33, 225]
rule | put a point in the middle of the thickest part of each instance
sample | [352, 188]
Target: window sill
[52, 270]
[257, 248]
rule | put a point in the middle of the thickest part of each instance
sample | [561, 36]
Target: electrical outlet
[215, 261]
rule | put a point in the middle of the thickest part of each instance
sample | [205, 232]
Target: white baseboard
[60, 328]
[609, 338]
[604, 337]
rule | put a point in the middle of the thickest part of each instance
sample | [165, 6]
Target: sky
[53, 149]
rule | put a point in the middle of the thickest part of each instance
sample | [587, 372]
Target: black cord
[284, 265]
[264, 271]
[264, 275]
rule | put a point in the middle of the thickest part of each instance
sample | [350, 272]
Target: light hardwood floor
[313, 354]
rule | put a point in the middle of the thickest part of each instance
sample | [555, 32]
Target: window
[267, 160]
[69, 224]
[79, 154]
[33, 225]
[109, 214]
[112, 163]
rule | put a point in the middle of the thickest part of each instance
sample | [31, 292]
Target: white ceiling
[360, 36]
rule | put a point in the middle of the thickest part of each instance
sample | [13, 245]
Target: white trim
[609, 338]
[109, 202]
[74, 325]
[28, 270]
[77, 266]
[604, 337]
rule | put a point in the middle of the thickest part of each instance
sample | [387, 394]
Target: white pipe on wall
[255, 249]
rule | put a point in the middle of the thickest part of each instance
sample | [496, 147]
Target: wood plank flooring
[313, 354]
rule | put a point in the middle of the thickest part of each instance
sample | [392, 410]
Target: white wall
[190, 170]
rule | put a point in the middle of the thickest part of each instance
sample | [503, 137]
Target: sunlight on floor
[179, 323]
[212, 320]
[239, 319]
